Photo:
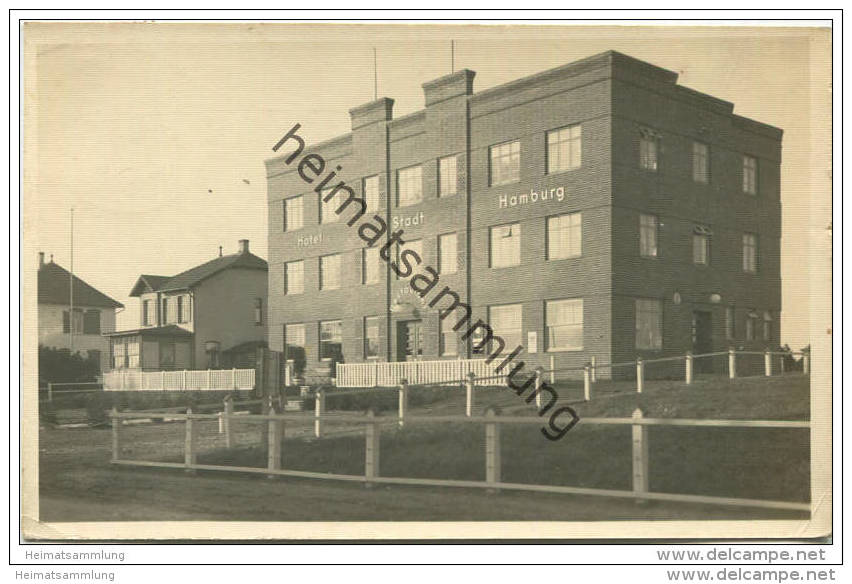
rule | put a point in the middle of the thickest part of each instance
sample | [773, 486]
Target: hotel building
[595, 209]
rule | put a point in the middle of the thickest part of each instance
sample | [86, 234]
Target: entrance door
[702, 339]
[409, 340]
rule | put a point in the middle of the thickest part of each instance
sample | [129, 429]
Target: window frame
[455, 178]
[751, 260]
[377, 320]
[649, 152]
[455, 255]
[491, 254]
[287, 278]
[516, 167]
[399, 182]
[288, 201]
[442, 342]
[365, 252]
[703, 238]
[519, 331]
[378, 194]
[638, 340]
[750, 175]
[643, 230]
[697, 170]
[547, 326]
[323, 271]
[548, 239]
[571, 143]
[320, 339]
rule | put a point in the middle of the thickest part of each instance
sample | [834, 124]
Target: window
[371, 192]
[416, 246]
[506, 322]
[505, 245]
[409, 183]
[750, 175]
[294, 335]
[700, 162]
[165, 316]
[649, 324]
[294, 217]
[371, 336]
[92, 322]
[751, 325]
[331, 339]
[371, 267]
[564, 322]
[294, 277]
[258, 311]
[564, 236]
[180, 309]
[329, 272]
[448, 254]
[700, 249]
[564, 149]
[78, 321]
[448, 178]
[133, 354]
[767, 326]
[750, 253]
[648, 145]
[648, 236]
[146, 313]
[328, 210]
[119, 360]
[730, 323]
[449, 341]
[505, 163]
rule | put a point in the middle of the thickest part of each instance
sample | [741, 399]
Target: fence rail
[196, 380]
[491, 422]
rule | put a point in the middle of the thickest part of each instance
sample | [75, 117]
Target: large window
[415, 245]
[329, 272]
[730, 323]
[649, 324]
[371, 336]
[371, 192]
[506, 321]
[505, 164]
[700, 249]
[119, 354]
[449, 339]
[294, 277]
[648, 146]
[331, 339]
[564, 321]
[505, 245]
[448, 253]
[448, 178]
[328, 210]
[371, 266]
[564, 149]
[564, 236]
[648, 235]
[750, 175]
[409, 185]
[700, 162]
[294, 217]
[125, 353]
[294, 336]
[750, 253]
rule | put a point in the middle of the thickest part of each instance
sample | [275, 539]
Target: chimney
[220, 251]
[40, 259]
[244, 246]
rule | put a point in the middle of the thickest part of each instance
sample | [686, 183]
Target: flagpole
[71, 289]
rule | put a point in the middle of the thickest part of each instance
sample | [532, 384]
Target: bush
[381, 400]
[60, 366]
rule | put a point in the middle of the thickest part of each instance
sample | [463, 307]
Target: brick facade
[615, 100]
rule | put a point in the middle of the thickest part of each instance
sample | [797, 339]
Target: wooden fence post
[403, 401]
[163, 380]
[190, 457]
[539, 373]
[226, 421]
[640, 374]
[319, 410]
[732, 364]
[689, 365]
[767, 363]
[373, 436]
[594, 369]
[468, 390]
[587, 382]
[640, 455]
[492, 449]
[806, 361]
[116, 435]
[274, 435]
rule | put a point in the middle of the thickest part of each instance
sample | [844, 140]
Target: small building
[208, 317]
[78, 329]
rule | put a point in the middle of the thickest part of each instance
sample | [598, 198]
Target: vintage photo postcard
[426, 281]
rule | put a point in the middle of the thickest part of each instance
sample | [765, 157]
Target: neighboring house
[209, 317]
[80, 329]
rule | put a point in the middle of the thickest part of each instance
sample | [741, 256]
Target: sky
[156, 134]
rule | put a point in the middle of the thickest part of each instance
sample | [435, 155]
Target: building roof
[53, 288]
[192, 276]
[170, 330]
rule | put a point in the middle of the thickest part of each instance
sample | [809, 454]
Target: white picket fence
[388, 374]
[186, 380]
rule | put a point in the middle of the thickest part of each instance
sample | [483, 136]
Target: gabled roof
[193, 276]
[170, 330]
[54, 288]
